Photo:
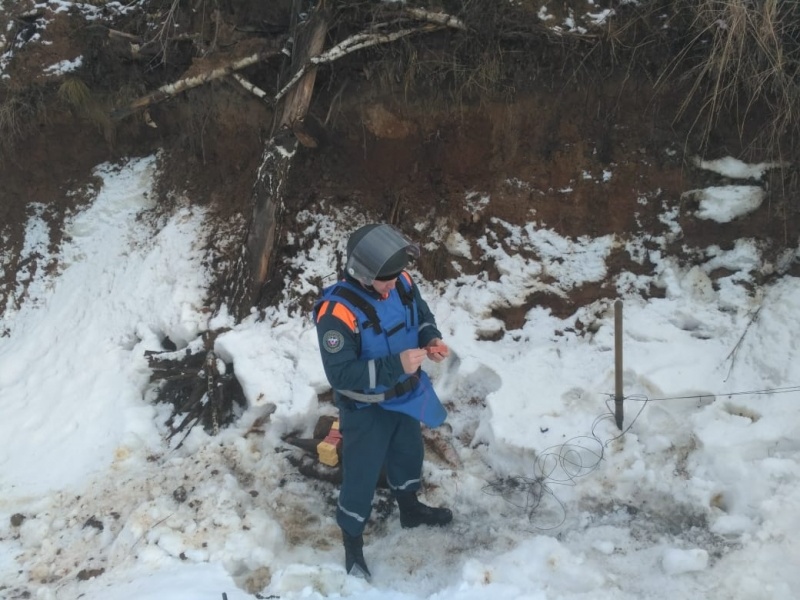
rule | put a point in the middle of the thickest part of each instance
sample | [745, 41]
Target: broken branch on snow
[200, 387]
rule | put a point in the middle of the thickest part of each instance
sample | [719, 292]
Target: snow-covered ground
[698, 496]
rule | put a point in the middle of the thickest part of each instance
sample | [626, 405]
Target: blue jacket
[361, 336]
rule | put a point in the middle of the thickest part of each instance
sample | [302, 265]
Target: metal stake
[618, 396]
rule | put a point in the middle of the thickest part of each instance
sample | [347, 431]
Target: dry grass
[18, 112]
[11, 119]
[745, 59]
[77, 95]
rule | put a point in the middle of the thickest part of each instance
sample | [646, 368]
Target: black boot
[414, 513]
[354, 562]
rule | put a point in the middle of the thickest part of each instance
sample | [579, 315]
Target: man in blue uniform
[374, 332]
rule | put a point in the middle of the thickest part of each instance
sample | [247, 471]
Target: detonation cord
[563, 464]
[764, 392]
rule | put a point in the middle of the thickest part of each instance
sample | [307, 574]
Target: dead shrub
[18, 111]
[743, 57]
[77, 95]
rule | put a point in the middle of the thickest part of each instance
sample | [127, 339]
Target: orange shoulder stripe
[322, 309]
[407, 277]
[345, 315]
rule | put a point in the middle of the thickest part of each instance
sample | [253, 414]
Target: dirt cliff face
[603, 155]
[545, 159]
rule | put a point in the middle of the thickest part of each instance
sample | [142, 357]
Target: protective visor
[373, 251]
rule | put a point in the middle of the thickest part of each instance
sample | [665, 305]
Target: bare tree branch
[360, 41]
[351, 44]
[439, 18]
[252, 88]
[434, 22]
[175, 88]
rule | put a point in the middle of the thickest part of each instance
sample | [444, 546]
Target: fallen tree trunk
[299, 98]
[268, 194]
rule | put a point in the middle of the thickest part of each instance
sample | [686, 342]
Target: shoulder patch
[333, 341]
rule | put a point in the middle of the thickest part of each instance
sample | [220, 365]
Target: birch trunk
[256, 261]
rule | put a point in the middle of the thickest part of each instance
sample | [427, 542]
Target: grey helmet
[378, 251]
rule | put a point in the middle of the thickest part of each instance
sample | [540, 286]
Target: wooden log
[267, 204]
[255, 262]
[311, 43]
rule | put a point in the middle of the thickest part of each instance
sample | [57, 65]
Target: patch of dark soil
[85, 574]
[565, 305]
[213, 146]
[654, 519]
[550, 163]
[560, 166]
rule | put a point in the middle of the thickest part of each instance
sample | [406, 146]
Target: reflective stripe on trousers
[374, 439]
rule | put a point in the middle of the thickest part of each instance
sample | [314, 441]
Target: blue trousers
[374, 438]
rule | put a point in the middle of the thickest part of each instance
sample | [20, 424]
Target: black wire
[764, 392]
[640, 398]
[557, 465]
[563, 464]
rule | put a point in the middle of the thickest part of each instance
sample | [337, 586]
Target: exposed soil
[545, 158]
[583, 159]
